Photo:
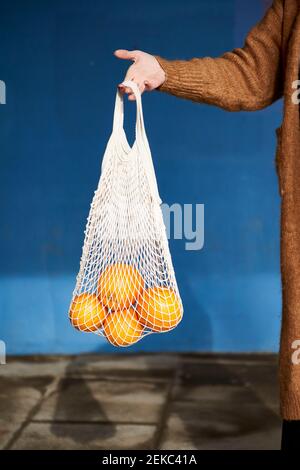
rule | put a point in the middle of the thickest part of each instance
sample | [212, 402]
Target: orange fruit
[122, 328]
[87, 313]
[159, 308]
[119, 286]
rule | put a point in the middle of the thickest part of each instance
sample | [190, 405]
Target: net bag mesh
[126, 286]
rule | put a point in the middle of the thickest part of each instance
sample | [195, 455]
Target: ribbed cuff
[171, 69]
[186, 79]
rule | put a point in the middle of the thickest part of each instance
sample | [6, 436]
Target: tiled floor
[145, 401]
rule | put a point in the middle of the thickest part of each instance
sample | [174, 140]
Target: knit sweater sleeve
[248, 78]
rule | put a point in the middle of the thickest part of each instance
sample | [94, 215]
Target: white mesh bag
[126, 286]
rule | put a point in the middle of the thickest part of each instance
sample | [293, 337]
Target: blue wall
[56, 59]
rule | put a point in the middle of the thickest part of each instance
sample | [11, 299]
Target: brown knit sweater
[251, 78]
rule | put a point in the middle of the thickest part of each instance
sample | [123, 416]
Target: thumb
[124, 54]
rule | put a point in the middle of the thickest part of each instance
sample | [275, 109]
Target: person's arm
[247, 78]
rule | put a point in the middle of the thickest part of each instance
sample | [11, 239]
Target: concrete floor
[144, 401]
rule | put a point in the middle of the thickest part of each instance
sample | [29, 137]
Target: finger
[124, 54]
[131, 97]
[128, 90]
[147, 85]
[140, 85]
[121, 88]
[128, 78]
[124, 89]
[130, 93]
